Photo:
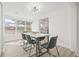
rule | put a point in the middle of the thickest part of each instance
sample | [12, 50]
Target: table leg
[37, 48]
[48, 39]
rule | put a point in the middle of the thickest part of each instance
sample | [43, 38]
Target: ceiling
[24, 9]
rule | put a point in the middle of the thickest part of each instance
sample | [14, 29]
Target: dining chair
[30, 41]
[24, 41]
[23, 36]
[50, 45]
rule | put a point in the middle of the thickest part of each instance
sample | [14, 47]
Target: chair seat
[45, 45]
[33, 38]
[33, 41]
[41, 38]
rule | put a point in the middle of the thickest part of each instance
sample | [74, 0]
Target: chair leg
[30, 50]
[57, 51]
[40, 48]
[25, 46]
[34, 45]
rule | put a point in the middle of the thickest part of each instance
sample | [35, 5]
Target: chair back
[52, 42]
[23, 36]
[41, 38]
[28, 39]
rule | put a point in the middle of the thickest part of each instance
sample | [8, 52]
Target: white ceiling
[24, 9]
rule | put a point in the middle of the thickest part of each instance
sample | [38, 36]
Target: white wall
[73, 17]
[35, 25]
[59, 25]
[63, 24]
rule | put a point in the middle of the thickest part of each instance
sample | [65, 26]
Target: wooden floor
[15, 49]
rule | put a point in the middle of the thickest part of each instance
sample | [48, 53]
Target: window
[9, 24]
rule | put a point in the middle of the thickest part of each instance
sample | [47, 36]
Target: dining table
[37, 36]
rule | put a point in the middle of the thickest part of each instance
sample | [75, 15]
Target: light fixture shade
[35, 9]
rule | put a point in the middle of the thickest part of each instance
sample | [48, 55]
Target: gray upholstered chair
[51, 44]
